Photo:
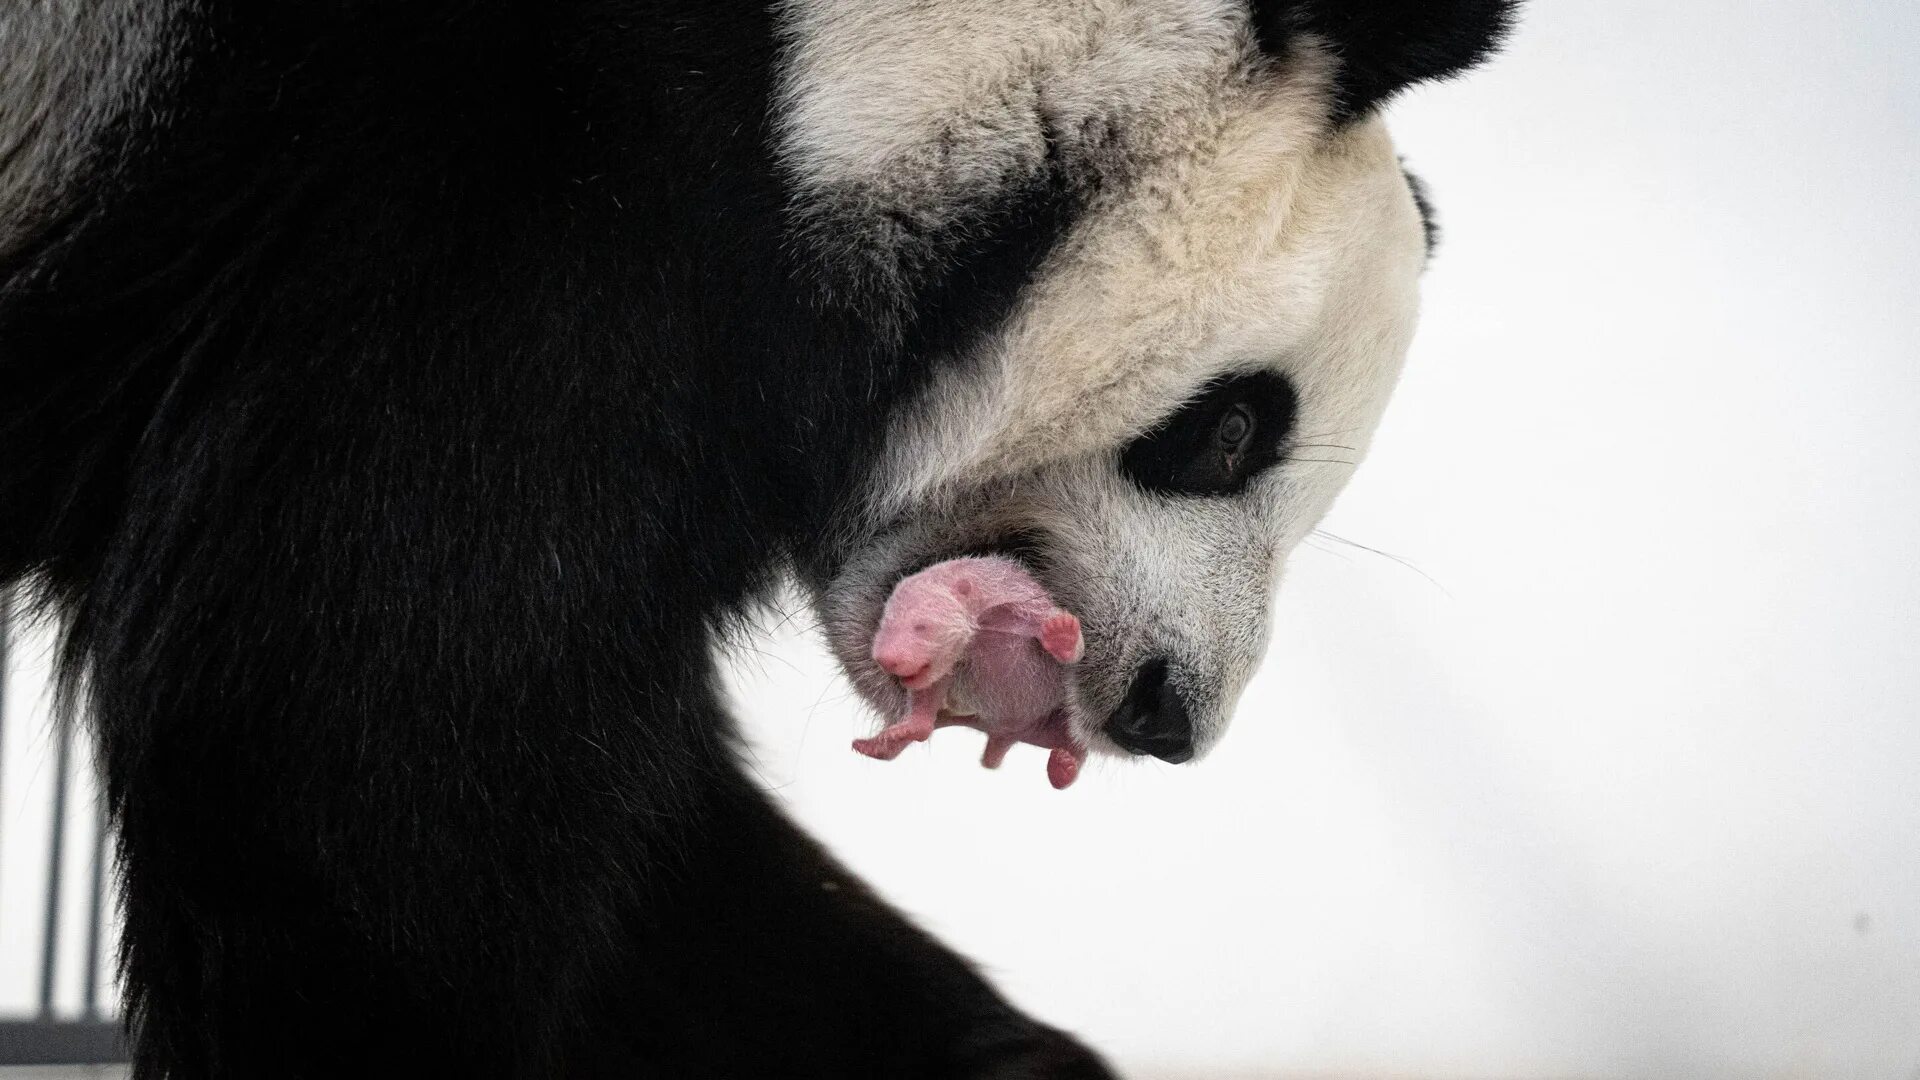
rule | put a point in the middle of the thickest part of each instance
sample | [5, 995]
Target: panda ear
[1384, 46]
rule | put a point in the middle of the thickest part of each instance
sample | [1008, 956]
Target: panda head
[1197, 357]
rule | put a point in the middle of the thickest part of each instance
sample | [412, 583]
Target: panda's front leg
[774, 960]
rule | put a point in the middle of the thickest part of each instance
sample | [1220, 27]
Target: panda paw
[1045, 1054]
[1060, 636]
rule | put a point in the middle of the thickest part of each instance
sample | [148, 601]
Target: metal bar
[6, 625]
[71, 1042]
[63, 745]
[90, 987]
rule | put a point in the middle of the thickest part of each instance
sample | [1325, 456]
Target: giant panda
[401, 401]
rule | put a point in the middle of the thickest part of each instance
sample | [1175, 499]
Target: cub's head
[1223, 279]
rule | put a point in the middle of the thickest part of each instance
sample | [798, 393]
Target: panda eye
[1217, 442]
[1236, 430]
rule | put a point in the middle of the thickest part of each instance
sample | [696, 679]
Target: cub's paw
[1060, 636]
[897, 737]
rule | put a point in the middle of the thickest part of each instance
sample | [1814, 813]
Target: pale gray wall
[1625, 780]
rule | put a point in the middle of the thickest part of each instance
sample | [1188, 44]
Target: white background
[1618, 778]
[1624, 779]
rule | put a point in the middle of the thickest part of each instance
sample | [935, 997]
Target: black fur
[409, 397]
[1183, 455]
[1384, 47]
[413, 392]
[1423, 201]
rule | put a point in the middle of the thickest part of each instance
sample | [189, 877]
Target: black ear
[1385, 46]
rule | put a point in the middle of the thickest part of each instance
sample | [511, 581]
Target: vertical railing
[49, 1036]
[56, 847]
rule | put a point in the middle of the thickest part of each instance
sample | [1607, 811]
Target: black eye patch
[1216, 442]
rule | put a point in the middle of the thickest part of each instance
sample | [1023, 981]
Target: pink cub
[978, 642]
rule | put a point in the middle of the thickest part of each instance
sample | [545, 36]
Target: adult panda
[399, 399]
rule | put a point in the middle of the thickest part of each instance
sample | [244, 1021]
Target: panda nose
[1152, 718]
[899, 662]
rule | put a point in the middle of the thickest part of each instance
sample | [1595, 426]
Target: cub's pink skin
[978, 642]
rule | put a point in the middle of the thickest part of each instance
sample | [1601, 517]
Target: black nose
[1152, 719]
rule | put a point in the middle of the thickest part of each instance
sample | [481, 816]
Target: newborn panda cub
[978, 642]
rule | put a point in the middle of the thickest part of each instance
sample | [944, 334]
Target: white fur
[1228, 230]
[931, 103]
[896, 119]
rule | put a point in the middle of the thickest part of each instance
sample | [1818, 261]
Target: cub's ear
[1384, 46]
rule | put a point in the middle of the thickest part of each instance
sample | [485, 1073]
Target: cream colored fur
[1228, 230]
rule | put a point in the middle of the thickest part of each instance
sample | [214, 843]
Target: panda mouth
[1024, 546]
[1011, 703]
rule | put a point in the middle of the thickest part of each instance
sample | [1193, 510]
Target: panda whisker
[1331, 434]
[1387, 555]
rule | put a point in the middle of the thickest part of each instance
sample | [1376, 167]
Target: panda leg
[774, 960]
[916, 726]
[996, 752]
